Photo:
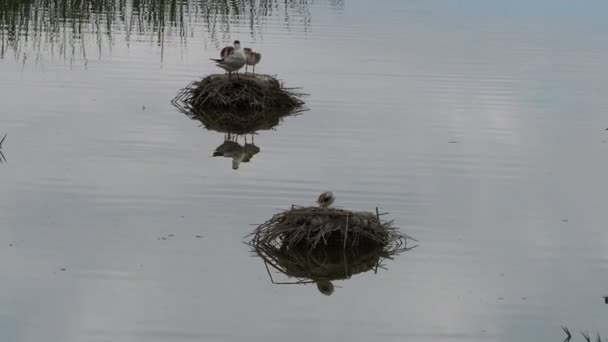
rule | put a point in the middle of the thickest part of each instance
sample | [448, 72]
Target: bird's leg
[245, 67]
[254, 69]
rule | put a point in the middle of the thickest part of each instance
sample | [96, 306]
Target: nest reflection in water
[321, 245]
[322, 266]
[238, 107]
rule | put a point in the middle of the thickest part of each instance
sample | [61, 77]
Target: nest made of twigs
[246, 93]
[313, 227]
[321, 244]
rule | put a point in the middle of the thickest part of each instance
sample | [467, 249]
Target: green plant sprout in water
[2, 157]
[585, 334]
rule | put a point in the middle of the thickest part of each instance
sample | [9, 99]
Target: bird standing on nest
[251, 58]
[233, 58]
[326, 199]
[226, 51]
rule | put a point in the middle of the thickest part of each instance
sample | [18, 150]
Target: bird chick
[326, 199]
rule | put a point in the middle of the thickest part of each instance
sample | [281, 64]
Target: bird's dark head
[237, 44]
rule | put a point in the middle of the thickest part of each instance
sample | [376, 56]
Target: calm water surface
[479, 125]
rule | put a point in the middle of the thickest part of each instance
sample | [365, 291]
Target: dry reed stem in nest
[313, 227]
[244, 94]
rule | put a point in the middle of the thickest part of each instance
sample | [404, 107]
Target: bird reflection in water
[231, 148]
[236, 126]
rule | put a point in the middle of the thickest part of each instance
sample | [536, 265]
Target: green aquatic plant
[585, 334]
[2, 157]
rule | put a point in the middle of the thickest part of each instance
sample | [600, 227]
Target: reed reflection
[69, 28]
[239, 131]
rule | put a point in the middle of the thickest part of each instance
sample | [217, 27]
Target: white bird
[326, 199]
[251, 58]
[226, 51]
[233, 61]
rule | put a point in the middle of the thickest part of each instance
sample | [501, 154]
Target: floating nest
[246, 93]
[320, 245]
[332, 228]
[238, 105]
[243, 95]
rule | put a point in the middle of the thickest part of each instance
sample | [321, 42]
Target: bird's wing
[233, 60]
[227, 51]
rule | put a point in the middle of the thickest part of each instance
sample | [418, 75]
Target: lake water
[480, 126]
